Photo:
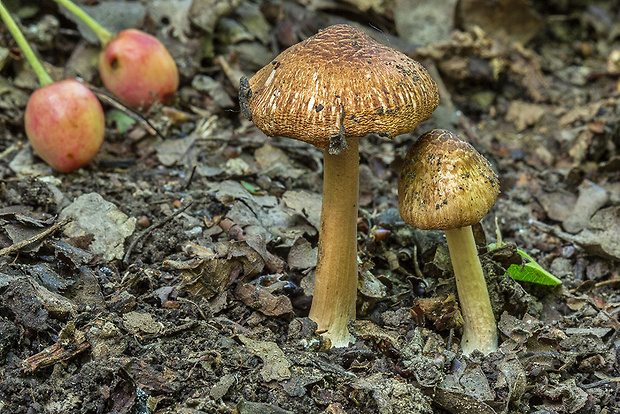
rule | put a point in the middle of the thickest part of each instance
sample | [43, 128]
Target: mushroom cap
[445, 183]
[339, 83]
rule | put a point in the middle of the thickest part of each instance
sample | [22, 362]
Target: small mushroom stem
[479, 330]
[335, 285]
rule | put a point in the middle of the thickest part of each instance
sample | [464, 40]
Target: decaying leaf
[591, 198]
[209, 276]
[468, 380]
[458, 402]
[302, 255]
[514, 20]
[443, 312]
[266, 214]
[556, 204]
[92, 214]
[307, 205]
[141, 323]
[275, 365]
[275, 163]
[524, 114]
[32, 304]
[602, 237]
[263, 298]
[393, 395]
[174, 151]
[371, 332]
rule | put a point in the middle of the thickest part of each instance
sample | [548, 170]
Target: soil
[174, 273]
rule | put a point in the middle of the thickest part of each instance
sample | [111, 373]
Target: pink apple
[65, 124]
[138, 69]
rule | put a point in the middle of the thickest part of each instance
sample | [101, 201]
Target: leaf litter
[206, 311]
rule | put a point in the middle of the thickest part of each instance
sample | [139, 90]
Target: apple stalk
[31, 57]
[102, 34]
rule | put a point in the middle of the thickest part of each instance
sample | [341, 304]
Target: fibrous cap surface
[445, 183]
[339, 82]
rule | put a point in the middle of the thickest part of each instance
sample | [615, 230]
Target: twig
[34, 239]
[191, 177]
[204, 317]
[599, 383]
[150, 229]
[70, 343]
[444, 93]
[112, 101]
[231, 73]
[465, 123]
[10, 149]
[607, 282]
[547, 228]
[446, 99]
[450, 338]
[416, 265]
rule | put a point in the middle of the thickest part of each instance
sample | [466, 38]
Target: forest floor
[177, 272]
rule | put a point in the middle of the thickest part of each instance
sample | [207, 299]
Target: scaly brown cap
[339, 83]
[445, 183]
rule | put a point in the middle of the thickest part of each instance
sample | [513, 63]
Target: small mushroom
[447, 185]
[329, 90]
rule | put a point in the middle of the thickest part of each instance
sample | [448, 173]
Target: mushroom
[329, 90]
[447, 185]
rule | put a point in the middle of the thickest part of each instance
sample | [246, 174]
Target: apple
[138, 69]
[65, 124]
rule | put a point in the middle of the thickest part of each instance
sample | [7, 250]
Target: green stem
[102, 34]
[44, 78]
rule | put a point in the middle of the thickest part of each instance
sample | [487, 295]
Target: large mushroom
[447, 185]
[329, 90]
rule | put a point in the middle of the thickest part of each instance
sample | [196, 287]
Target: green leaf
[253, 189]
[530, 271]
[122, 121]
[533, 273]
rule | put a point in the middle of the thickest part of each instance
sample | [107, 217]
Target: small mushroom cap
[339, 83]
[445, 183]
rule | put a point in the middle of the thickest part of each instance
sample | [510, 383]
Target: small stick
[204, 317]
[36, 238]
[599, 383]
[607, 282]
[112, 101]
[70, 343]
[150, 229]
[12, 148]
[446, 96]
[416, 265]
[446, 99]
[191, 177]
[233, 75]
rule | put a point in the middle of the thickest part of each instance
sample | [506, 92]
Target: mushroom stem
[479, 331]
[335, 285]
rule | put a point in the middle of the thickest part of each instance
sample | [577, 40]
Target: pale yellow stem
[335, 286]
[479, 330]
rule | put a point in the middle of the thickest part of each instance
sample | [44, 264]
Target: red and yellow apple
[65, 124]
[138, 69]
